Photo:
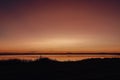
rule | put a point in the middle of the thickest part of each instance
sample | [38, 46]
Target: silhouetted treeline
[45, 69]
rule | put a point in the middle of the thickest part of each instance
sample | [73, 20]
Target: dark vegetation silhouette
[46, 69]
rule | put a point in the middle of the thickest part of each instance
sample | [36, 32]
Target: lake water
[56, 57]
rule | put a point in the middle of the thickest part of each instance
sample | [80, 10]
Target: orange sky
[60, 26]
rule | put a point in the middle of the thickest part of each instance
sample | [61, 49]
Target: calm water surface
[56, 57]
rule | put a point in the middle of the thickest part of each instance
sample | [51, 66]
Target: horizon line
[28, 53]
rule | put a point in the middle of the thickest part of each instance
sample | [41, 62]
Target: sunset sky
[60, 25]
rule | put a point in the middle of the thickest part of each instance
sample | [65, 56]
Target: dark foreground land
[45, 69]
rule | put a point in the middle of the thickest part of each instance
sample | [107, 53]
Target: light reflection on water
[56, 57]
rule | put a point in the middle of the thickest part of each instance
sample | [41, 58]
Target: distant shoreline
[5, 54]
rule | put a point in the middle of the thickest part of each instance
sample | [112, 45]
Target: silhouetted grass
[46, 69]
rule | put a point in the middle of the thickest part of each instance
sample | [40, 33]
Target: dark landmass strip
[46, 69]
[1, 54]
